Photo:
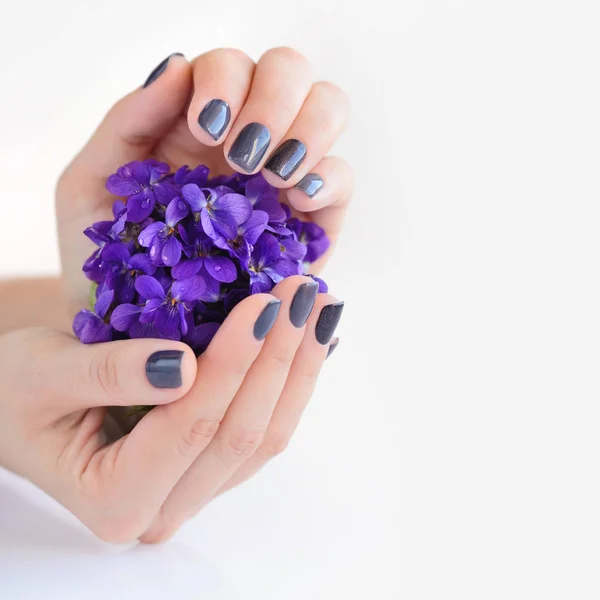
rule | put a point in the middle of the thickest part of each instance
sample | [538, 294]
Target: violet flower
[91, 327]
[144, 185]
[267, 267]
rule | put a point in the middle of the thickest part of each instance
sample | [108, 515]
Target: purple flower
[266, 266]
[144, 185]
[90, 327]
[263, 196]
[167, 310]
[100, 234]
[121, 269]
[162, 239]
[312, 236]
[222, 210]
[238, 241]
[200, 336]
[204, 258]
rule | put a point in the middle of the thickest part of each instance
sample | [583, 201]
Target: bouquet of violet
[183, 249]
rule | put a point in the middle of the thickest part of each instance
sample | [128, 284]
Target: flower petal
[148, 287]
[266, 250]
[255, 226]
[124, 316]
[115, 252]
[187, 268]
[149, 311]
[282, 269]
[147, 235]
[103, 302]
[258, 188]
[212, 292]
[221, 268]
[199, 337]
[187, 290]
[140, 206]
[141, 262]
[176, 211]
[292, 249]
[194, 197]
[171, 251]
[235, 205]
[167, 320]
[260, 283]
[90, 329]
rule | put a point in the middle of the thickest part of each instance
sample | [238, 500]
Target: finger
[324, 194]
[73, 376]
[298, 388]
[320, 122]
[163, 445]
[222, 80]
[246, 421]
[282, 80]
[128, 132]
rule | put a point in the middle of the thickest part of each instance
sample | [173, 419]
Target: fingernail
[310, 184]
[332, 347]
[214, 118]
[303, 302]
[250, 146]
[328, 321]
[287, 158]
[163, 369]
[158, 71]
[266, 320]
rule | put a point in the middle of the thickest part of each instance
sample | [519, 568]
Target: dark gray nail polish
[158, 71]
[250, 146]
[310, 184]
[214, 118]
[287, 158]
[303, 302]
[266, 320]
[332, 347]
[328, 321]
[163, 369]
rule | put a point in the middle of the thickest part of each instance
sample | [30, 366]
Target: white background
[451, 450]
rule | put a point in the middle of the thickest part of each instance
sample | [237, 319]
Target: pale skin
[240, 402]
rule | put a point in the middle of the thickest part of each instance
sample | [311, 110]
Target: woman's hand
[218, 419]
[227, 112]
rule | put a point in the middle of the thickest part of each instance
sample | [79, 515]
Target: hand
[156, 121]
[217, 420]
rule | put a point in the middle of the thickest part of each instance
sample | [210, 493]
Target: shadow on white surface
[69, 562]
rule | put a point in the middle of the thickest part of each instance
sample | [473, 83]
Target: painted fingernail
[310, 184]
[328, 320]
[163, 369]
[250, 146]
[158, 71]
[214, 118]
[332, 347]
[266, 320]
[287, 158]
[303, 302]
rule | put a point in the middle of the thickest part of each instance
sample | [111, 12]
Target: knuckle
[243, 443]
[234, 55]
[197, 437]
[336, 94]
[275, 444]
[104, 370]
[287, 54]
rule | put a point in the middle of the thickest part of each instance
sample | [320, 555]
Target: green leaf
[92, 299]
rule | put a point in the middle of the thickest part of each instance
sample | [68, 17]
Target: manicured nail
[332, 347]
[328, 320]
[310, 184]
[287, 158]
[214, 118]
[266, 320]
[158, 71]
[163, 369]
[250, 146]
[303, 302]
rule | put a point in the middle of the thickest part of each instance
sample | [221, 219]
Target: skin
[241, 401]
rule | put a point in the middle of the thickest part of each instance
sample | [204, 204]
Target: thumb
[59, 369]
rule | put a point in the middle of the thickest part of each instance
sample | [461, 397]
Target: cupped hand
[227, 112]
[218, 419]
